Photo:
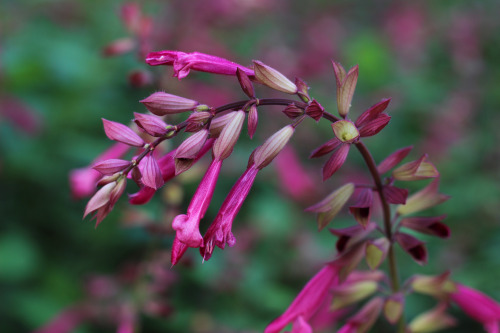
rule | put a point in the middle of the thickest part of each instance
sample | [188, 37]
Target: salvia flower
[224, 144]
[160, 103]
[187, 225]
[184, 62]
[265, 154]
[273, 79]
[478, 306]
[309, 300]
[121, 133]
[104, 200]
[219, 233]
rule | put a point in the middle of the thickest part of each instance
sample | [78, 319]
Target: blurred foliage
[439, 61]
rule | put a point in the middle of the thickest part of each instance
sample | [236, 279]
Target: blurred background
[64, 65]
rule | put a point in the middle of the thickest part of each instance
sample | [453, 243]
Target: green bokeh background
[50, 58]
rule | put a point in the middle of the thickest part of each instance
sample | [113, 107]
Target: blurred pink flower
[478, 306]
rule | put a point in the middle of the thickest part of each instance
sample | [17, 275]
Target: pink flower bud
[197, 120]
[427, 225]
[413, 246]
[99, 199]
[315, 110]
[325, 148]
[273, 79]
[302, 89]
[292, 111]
[253, 119]
[223, 146]
[161, 103]
[395, 195]
[345, 131]
[335, 161]
[265, 154]
[376, 252]
[151, 174]
[121, 133]
[152, 125]
[392, 160]
[218, 123]
[190, 147]
[361, 209]
[346, 84]
[330, 206]
[423, 199]
[347, 293]
[416, 170]
[245, 83]
[109, 167]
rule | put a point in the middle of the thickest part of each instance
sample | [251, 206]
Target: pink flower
[167, 169]
[219, 233]
[187, 225]
[309, 300]
[83, 181]
[478, 306]
[184, 62]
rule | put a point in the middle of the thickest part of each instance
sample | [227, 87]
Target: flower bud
[100, 198]
[416, 170]
[245, 83]
[302, 90]
[292, 111]
[431, 321]
[161, 103]
[190, 147]
[151, 174]
[253, 118]
[423, 199]
[437, 286]
[393, 308]
[346, 84]
[345, 131]
[264, 154]
[217, 124]
[273, 79]
[152, 125]
[413, 246]
[315, 110]
[121, 133]
[223, 146]
[111, 166]
[197, 120]
[376, 252]
[330, 206]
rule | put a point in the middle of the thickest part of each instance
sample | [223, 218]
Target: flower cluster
[340, 290]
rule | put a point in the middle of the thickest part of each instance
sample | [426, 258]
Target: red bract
[184, 62]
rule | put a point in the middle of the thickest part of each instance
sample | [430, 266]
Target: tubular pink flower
[187, 225]
[309, 300]
[167, 169]
[478, 306]
[219, 233]
[83, 181]
[178, 250]
[184, 62]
